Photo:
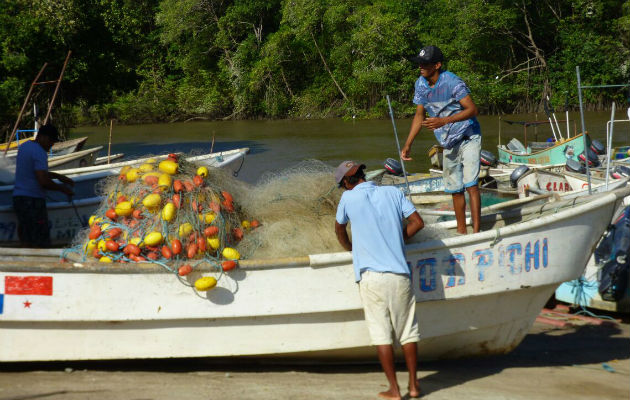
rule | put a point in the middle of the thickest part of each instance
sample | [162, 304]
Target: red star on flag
[27, 304]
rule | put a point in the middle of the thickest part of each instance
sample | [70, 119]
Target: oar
[566, 112]
[553, 112]
[402, 163]
[553, 131]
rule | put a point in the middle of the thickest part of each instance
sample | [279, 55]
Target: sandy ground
[586, 362]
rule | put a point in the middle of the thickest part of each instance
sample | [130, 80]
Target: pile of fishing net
[184, 216]
[170, 212]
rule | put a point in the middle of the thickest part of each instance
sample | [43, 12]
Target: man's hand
[434, 123]
[404, 153]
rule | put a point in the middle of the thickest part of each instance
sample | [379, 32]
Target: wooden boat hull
[557, 154]
[476, 295]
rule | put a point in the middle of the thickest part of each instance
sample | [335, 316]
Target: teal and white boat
[558, 153]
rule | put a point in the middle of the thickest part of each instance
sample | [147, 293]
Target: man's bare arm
[415, 223]
[45, 181]
[342, 236]
[416, 125]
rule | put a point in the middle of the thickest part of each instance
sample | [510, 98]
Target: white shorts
[390, 306]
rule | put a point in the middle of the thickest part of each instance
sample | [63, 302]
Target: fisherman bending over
[376, 214]
[32, 179]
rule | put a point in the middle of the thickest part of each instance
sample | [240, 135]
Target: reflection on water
[279, 144]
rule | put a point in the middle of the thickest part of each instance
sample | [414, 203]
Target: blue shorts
[461, 165]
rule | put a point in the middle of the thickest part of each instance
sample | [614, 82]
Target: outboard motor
[613, 249]
[393, 166]
[593, 160]
[621, 171]
[574, 166]
[517, 173]
[598, 147]
[488, 159]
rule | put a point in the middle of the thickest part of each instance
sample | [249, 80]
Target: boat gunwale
[548, 149]
[570, 208]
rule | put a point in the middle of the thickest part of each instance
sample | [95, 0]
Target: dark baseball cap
[50, 131]
[429, 55]
[347, 168]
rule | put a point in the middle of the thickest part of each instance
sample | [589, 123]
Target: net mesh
[178, 214]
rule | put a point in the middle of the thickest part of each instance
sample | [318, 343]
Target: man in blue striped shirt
[451, 116]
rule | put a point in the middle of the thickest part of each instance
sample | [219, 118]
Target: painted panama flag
[22, 293]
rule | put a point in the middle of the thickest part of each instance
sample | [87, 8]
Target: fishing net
[181, 216]
[171, 212]
[297, 207]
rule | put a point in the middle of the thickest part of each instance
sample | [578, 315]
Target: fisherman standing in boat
[32, 179]
[380, 267]
[451, 117]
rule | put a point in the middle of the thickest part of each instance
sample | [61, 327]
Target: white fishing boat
[86, 179]
[231, 160]
[60, 148]
[80, 158]
[476, 294]
[65, 220]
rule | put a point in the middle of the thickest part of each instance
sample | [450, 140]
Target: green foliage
[166, 60]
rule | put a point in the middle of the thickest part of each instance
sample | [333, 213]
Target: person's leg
[470, 156]
[405, 324]
[453, 184]
[410, 350]
[475, 206]
[386, 357]
[373, 291]
[459, 205]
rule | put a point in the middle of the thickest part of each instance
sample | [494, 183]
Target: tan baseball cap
[347, 168]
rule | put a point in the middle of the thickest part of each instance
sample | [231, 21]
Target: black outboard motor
[614, 249]
[393, 167]
[488, 159]
[593, 160]
[574, 166]
[517, 173]
[598, 147]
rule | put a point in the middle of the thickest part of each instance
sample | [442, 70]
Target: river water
[279, 144]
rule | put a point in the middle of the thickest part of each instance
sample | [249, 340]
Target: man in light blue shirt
[452, 117]
[376, 215]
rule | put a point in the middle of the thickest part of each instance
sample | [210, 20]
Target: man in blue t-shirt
[32, 179]
[451, 116]
[378, 255]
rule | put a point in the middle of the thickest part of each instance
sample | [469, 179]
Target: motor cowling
[393, 167]
[487, 158]
[574, 166]
[517, 173]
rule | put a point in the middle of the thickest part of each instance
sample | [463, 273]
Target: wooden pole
[17, 122]
[109, 147]
[63, 69]
[212, 145]
[499, 131]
